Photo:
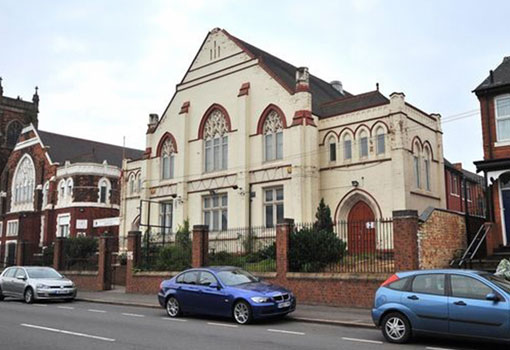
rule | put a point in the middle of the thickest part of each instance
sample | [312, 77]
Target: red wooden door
[361, 229]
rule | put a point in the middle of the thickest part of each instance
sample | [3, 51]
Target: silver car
[32, 283]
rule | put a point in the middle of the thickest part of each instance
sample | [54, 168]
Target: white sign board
[107, 222]
[82, 224]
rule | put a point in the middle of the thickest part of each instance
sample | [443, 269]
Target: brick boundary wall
[440, 238]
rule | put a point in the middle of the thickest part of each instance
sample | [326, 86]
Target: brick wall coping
[265, 274]
[79, 273]
[340, 276]
[155, 273]
[428, 212]
[405, 213]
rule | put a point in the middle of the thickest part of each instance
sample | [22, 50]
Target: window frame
[332, 146]
[10, 223]
[499, 118]
[208, 213]
[380, 136]
[163, 215]
[445, 286]
[363, 144]
[347, 139]
[67, 232]
[274, 203]
[450, 287]
[107, 185]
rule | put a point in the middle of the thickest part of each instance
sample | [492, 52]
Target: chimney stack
[337, 85]
[153, 119]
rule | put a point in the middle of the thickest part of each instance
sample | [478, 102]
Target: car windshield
[43, 273]
[236, 277]
[499, 281]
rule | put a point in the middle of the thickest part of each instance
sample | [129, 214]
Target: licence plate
[61, 292]
[285, 304]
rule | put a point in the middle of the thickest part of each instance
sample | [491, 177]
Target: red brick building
[494, 96]
[55, 185]
[464, 188]
[15, 114]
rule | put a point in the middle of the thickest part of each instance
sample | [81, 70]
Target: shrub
[312, 251]
[80, 253]
[173, 257]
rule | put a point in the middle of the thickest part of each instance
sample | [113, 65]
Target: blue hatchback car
[224, 291]
[444, 302]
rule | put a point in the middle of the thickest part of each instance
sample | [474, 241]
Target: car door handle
[413, 297]
[460, 303]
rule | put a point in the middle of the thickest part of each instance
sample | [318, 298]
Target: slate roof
[353, 103]
[468, 174]
[500, 77]
[64, 148]
[322, 91]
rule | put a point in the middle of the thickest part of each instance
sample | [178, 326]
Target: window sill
[424, 193]
[502, 143]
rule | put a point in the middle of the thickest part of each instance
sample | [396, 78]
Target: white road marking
[66, 307]
[133, 315]
[363, 340]
[174, 319]
[98, 311]
[40, 305]
[433, 348]
[222, 324]
[285, 332]
[67, 332]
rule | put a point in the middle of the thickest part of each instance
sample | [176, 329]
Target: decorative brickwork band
[185, 107]
[200, 245]
[405, 240]
[303, 117]
[283, 231]
[244, 90]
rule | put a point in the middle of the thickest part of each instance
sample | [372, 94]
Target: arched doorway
[504, 186]
[361, 229]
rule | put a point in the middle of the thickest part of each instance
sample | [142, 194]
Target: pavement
[347, 317]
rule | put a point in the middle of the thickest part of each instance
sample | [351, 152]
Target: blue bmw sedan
[224, 291]
[444, 302]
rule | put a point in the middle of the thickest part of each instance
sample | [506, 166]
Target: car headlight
[260, 299]
[42, 286]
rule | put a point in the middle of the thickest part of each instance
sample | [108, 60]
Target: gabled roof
[322, 91]
[353, 103]
[466, 173]
[500, 77]
[64, 148]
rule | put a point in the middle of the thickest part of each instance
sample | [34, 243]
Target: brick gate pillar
[134, 251]
[405, 240]
[200, 245]
[58, 248]
[20, 252]
[104, 263]
[283, 231]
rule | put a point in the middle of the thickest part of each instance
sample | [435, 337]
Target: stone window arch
[167, 159]
[347, 146]
[46, 193]
[24, 182]
[139, 182]
[131, 184]
[332, 148]
[104, 189]
[417, 164]
[273, 136]
[380, 138]
[363, 144]
[69, 189]
[215, 135]
[426, 167]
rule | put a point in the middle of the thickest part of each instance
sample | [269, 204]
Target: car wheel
[29, 296]
[173, 308]
[396, 328]
[242, 312]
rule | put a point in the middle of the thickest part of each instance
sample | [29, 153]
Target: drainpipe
[489, 133]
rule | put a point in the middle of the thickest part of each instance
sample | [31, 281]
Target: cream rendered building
[243, 121]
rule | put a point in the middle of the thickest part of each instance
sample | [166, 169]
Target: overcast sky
[103, 66]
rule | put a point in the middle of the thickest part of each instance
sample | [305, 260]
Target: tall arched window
[426, 167]
[139, 182]
[104, 191]
[363, 144]
[347, 144]
[332, 148]
[46, 190]
[273, 136]
[381, 140]
[13, 131]
[216, 141]
[131, 184]
[167, 159]
[416, 164]
[62, 190]
[69, 189]
[24, 181]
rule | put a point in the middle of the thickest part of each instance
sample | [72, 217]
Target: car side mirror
[22, 278]
[492, 297]
[215, 286]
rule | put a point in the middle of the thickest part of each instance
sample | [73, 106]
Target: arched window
[139, 182]
[381, 140]
[61, 190]
[426, 168]
[416, 164]
[13, 131]
[104, 191]
[332, 148]
[24, 180]
[363, 144]
[69, 189]
[132, 184]
[273, 136]
[216, 141]
[347, 144]
[46, 190]
[167, 159]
